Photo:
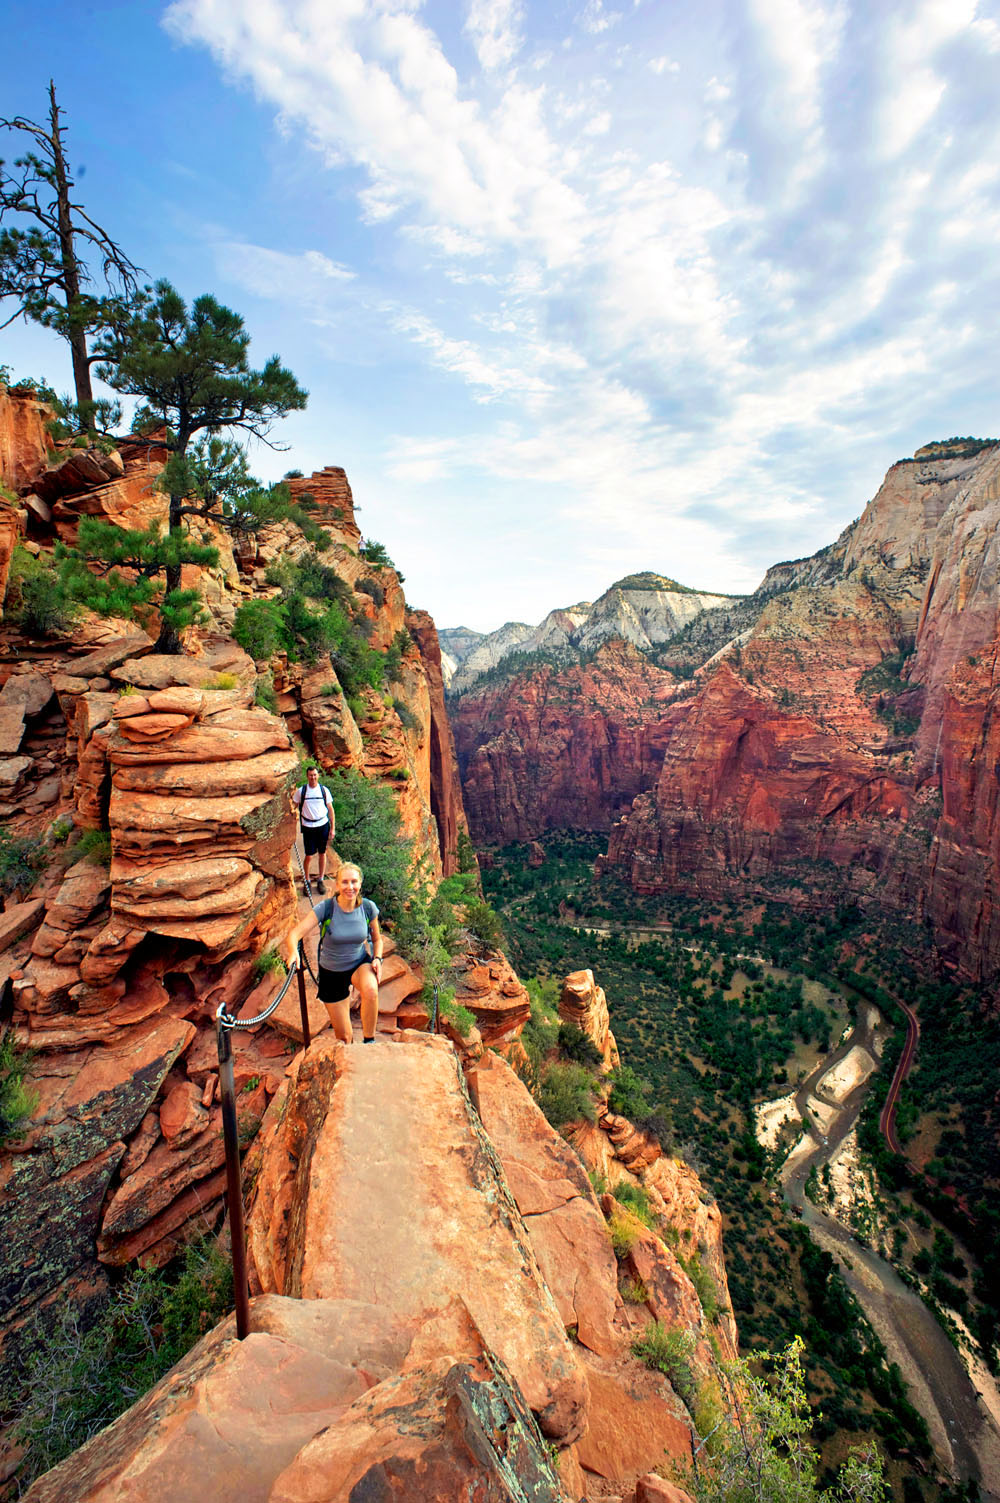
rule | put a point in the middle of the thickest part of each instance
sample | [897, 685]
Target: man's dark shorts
[334, 986]
[315, 837]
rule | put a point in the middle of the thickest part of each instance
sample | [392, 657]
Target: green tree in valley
[190, 370]
[46, 238]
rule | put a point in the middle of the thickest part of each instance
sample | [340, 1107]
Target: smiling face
[348, 886]
[312, 777]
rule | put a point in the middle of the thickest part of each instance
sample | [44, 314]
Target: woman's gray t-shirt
[343, 946]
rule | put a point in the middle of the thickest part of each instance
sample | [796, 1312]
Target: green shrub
[375, 553]
[94, 846]
[267, 963]
[409, 721]
[264, 696]
[484, 924]
[17, 1101]
[760, 1451]
[629, 1094]
[358, 708]
[578, 1046]
[634, 1292]
[669, 1351]
[460, 1018]
[368, 833]
[705, 1286]
[77, 1381]
[259, 628]
[36, 601]
[636, 1199]
[567, 1094]
[624, 1231]
[223, 681]
[22, 857]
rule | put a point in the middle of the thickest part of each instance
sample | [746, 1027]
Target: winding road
[964, 1435]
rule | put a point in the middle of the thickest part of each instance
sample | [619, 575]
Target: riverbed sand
[770, 1117]
[842, 1079]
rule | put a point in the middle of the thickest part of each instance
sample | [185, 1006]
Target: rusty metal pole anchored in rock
[234, 1186]
[306, 1037]
[224, 1026]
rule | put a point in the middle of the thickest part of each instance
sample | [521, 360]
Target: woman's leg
[340, 1017]
[365, 981]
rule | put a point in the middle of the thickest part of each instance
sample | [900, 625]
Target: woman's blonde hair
[351, 866]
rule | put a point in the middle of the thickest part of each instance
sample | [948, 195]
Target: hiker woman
[347, 922]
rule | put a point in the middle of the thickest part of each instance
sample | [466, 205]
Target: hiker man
[315, 806]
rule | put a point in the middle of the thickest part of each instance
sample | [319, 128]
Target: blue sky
[577, 288]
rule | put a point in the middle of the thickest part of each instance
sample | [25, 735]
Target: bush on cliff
[78, 1380]
[567, 1094]
[17, 1101]
[759, 1451]
[369, 833]
[35, 601]
[22, 857]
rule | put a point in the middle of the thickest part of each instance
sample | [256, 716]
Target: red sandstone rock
[445, 788]
[653, 1489]
[466, 1432]
[671, 1296]
[565, 1224]
[18, 920]
[24, 443]
[446, 1231]
[583, 1003]
[11, 729]
[631, 1428]
[29, 688]
[562, 748]
[491, 991]
[182, 1115]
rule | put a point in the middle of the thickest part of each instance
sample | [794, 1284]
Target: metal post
[306, 1038]
[234, 1187]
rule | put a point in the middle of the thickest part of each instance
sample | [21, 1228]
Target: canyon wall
[562, 747]
[844, 749]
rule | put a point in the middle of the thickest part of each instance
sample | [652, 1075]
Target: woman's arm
[299, 931]
[376, 934]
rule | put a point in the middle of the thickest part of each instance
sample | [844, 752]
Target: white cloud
[595, 19]
[495, 29]
[694, 308]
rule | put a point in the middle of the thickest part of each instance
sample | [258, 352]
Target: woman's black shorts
[315, 837]
[334, 986]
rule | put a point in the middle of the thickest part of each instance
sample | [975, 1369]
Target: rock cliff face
[845, 746]
[562, 747]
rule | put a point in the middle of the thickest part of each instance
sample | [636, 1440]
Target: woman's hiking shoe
[321, 888]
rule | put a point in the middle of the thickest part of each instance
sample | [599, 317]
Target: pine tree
[191, 372]
[44, 265]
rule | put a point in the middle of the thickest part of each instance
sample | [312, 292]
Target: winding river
[965, 1436]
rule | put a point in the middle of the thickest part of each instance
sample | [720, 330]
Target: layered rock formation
[562, 747]
[845, 746]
